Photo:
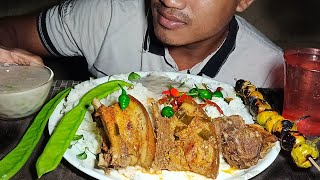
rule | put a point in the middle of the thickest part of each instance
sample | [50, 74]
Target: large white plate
[91, 141]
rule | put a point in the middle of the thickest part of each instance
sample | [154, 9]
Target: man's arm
[21, 32]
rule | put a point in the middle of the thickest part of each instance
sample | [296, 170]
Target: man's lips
[170, 21]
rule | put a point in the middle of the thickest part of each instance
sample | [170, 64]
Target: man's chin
[170, 39]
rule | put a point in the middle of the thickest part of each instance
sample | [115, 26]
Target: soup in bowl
[23, 89]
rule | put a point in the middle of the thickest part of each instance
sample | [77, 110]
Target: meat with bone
[186, 141]
[128, 136]
[242, 145]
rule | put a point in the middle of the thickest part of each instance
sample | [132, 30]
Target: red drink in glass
[302, 89]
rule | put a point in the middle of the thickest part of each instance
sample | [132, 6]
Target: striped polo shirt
[115, 36]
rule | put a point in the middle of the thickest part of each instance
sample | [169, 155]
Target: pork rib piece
[128, 136]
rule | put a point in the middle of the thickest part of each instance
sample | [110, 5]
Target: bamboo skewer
[314, 163]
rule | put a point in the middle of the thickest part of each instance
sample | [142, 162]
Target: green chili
[167, 111]
[193, 92]
[204, 93]
[123, 99]
[68, 125]
[14, 160]
[217, 94]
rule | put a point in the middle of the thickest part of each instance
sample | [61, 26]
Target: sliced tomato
[183, 97]
[174, 92]
[167, 92]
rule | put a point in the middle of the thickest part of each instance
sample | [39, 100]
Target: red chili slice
[215, 105]
[219, 88]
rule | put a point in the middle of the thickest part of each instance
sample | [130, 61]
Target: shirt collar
[215, 63]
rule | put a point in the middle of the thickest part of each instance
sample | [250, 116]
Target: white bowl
[23, 89]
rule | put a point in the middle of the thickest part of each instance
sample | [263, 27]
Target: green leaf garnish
[82, 156]
[133, 76]
[77, 137]
[181, 84]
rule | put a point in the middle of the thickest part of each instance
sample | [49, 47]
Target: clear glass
[302, 89]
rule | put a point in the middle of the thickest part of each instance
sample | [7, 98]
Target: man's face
[183, 22]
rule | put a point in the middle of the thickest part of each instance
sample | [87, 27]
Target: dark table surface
[12, 131]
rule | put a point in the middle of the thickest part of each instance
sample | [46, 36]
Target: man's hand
[19, 56]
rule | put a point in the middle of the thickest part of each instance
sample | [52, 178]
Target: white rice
[92, 139]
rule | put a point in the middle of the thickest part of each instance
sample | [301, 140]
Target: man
[202, 37]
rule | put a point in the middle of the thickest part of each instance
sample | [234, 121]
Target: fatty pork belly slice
[242, 145]
[128, 136]
[186, 141]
